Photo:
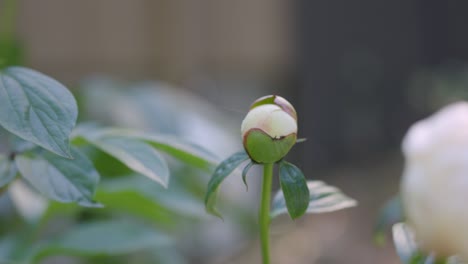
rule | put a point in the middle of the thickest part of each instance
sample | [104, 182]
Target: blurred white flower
[435, 181]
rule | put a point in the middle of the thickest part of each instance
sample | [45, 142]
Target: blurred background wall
[347, 65]
[221, 49]
[360, 72]
[356, 61]
[176, 41]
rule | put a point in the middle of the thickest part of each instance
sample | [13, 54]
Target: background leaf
[135, 154]
[188, 153]
[140, 196]
[28, 202]
[104, 238]
[221, 172]
[323, 198]
[37, 108]
[8, 170]
[60, 179]
[294, 187]
[390, 214]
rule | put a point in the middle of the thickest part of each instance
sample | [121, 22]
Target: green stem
[264, 212]
[7, 18]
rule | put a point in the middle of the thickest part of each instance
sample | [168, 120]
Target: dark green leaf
[323, 198]
[221, 172]
[60, 179]
[294, 187]
[105, 164]
[8, 170]
[37, 108]
[390, 214]
[104, 238]
[244, 173]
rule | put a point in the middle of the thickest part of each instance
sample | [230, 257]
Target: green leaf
[37, 108]
[294, 187]
[188, 153]
[221, 172]
[104, 238]
[8, 170]
[323, 199]
[60, 179]
[244, 173]
[19, 145]
[135, 154]
[390, 214]
[143, 197]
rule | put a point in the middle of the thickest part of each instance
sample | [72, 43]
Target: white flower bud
[435, 181]
[269, 130]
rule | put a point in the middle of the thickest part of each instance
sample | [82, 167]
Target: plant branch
[7, 18]
[264, 212]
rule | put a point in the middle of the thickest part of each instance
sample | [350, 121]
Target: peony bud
[269, 130]
[435, 181]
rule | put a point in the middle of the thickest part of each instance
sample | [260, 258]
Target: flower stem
[264, 212]
[7, 18]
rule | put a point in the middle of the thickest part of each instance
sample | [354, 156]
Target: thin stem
[7, 18]
[264, 212]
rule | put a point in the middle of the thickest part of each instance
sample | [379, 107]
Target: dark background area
[355, 61]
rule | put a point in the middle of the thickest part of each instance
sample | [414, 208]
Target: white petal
[271, 119]
[435, 181]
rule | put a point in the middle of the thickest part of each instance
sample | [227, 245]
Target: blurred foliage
[390, 214]
[141, 221]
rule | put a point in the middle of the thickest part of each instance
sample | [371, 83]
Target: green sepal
[264, 149]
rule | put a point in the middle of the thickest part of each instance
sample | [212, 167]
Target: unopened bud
[270, 129]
